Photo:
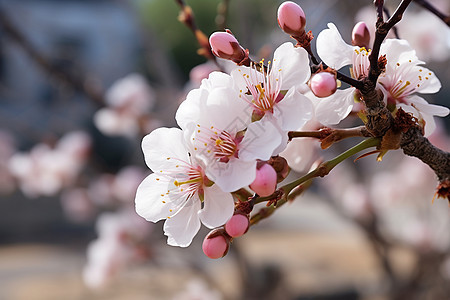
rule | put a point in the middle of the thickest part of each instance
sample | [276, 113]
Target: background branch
[427, 5]
[79, 82]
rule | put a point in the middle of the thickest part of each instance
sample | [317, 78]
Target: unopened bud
[265, 182]
[226, 46]
[216, 243]
[291, 18]
[237, 225]
[361, 35]
[323, 84]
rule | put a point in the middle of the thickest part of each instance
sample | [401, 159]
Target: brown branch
[427, 5]
[329, 136]
[77, 82]
[381, 123]
[413, 143]
[381, 33]
[222, 13]
[186, 16]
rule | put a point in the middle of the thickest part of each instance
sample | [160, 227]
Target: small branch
[288, 191]
[324, 168]
[415, 144]
[358, 84]
[186, 16]
[77, 82]
[381, 33]
[329, 136]
[222, 14]
[427, 5]
[394, 29]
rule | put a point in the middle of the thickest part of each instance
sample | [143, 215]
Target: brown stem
[381, 33]
[222, 13]
[415, 144]
[186, 16]
[329, 136]
[79, 82]
[427, 5]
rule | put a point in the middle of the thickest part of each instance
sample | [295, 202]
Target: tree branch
[427, 5]
[380, 120]
[79, 83]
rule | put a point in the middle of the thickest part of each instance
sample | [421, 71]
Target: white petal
[398, 51]
[332, 49]
[260, 140]
[161, 146]
[294, 65]
[240, 72]
[300, 153]
[188, 111]
[423, 106]
[233, 175]
[331, 110]
[149, 202]
[430, 83]
[293, 111]
[218, 207]
[181, 228]
[216, 80]
[226, 111]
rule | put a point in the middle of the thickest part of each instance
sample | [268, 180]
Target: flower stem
[322, 170]
[325, 167]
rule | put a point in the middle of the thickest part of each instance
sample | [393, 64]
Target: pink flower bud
[291, 18]
[361, 35]
[265, 182]
[237, 225]
[323, 84]
[215, 244]
[225, 45]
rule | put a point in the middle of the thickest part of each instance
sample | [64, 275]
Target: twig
[77, 82]
[380, 120]
[281, 196]
[329, 136]
[381, 33]
[222, 14]
[427, 5]
[388, 15]
[186, 16]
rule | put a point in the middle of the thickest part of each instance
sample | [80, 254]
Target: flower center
[361, 64]
[224, 146]
[263, 85]
[183, 180]
[217, 143]
[406, 80]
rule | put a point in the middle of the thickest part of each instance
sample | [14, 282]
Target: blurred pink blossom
[120, 243]
[45, 170]
[128, 100]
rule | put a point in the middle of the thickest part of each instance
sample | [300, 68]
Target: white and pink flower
[273, 93]
[218, 125]
[178, 190]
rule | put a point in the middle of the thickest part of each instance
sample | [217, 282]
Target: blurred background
[81, 82]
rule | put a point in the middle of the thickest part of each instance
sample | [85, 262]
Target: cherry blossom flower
[120, 243]
[178, 189]
[404, 77]
[46, 170]
[336, 53]
[217, 123]
[426, 33]
[128, 100]
[274, 93]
